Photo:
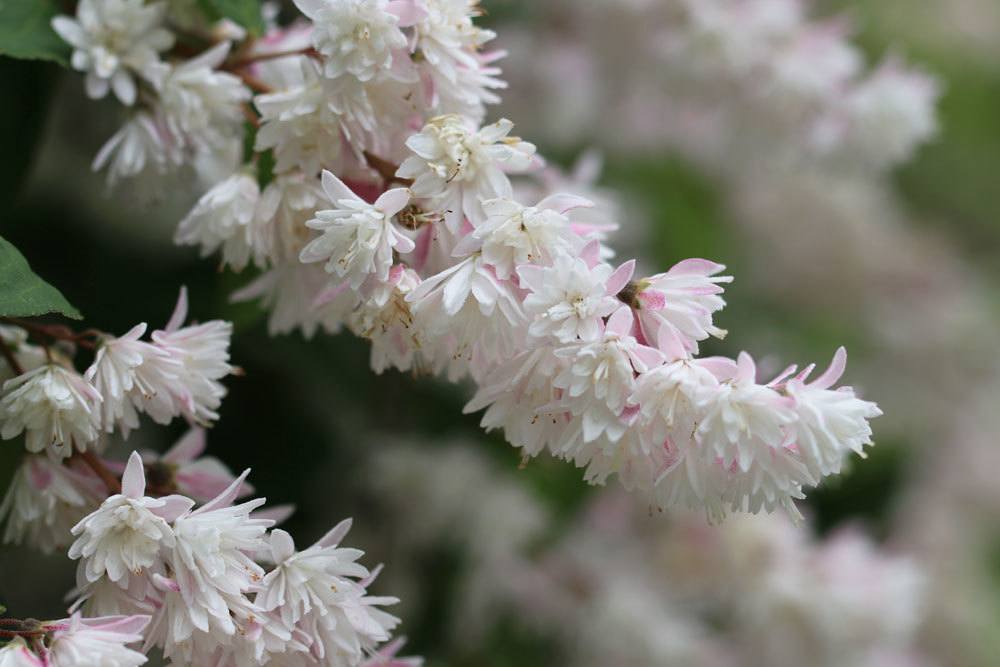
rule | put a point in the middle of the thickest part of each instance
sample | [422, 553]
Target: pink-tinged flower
[468, 303]
[322, 590]
[144, 142]
[513, 394]
[669, 399]
[203, 353]
[457, 167]
[358, 239]
[45, 500]
[126, 536]
[458, 76]
[54, 407]
[96, 642]
[675, 308]
[570, 299]
[744, 421]
[831, 422]
[17, 653]
[296, 296]
[199, 477]
[128, 371]
[600, 377]
[386, 656]
[212, 572]
[388, 325]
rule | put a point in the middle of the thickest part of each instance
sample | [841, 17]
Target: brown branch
[56, 331]
[109, 478]
[249, 114]
[12, 361]
[243, 61]
[387, 170]
[253, 82]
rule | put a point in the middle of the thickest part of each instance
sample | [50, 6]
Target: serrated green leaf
[26, 31]
[245, 12]
[23, 293]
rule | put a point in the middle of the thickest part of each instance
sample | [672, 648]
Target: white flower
[457, 166]
[569, 299]
[600, 377]
[45, 500]
[744, 421]
[144, 141]
[669, 397]
[891, 113]
[389, 325]
[112, 40]
[212, 570]
[55, 407]
[512, 234]
[202, 351]
[125, 535]
[127, 371]
[300, 125]
[227, 216]
[461, 79]
[830, 422]
[470, 304]
[96, 642]
[358, 239]
[312, 580]
[513, 394]
[298, 296]
[202, 104]
[675, 308]
[746, 426]
[357, 37]
[29, 357]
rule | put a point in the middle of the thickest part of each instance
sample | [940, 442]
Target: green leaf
[24, 294]
[26, 31]
[244, 12]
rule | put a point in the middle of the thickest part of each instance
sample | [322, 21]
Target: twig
[385, 169]
[237, 63]
[12, 361]
[109, 478]
[249, 114]
[253, 82]
[56, 331]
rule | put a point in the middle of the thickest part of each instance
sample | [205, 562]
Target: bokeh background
[902, 267]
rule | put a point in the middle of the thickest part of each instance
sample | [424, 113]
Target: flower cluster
[195, 572]
[721, 81]
[377, 200]
[175, 374]
[167, 557]
[614, 586]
